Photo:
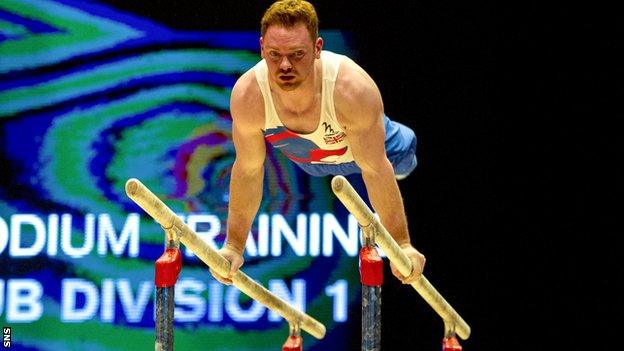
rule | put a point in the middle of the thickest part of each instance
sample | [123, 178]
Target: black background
[510, 202]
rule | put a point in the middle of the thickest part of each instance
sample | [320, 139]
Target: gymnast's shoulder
[246, 102]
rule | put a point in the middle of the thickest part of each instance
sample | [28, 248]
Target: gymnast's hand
[418, 263]
[236, 261]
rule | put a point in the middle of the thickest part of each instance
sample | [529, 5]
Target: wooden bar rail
[365, 217]
[151, 204]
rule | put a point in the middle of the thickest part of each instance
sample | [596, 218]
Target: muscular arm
[360, 109]
[247, 176]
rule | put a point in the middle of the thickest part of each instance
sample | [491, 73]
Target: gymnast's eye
[298, 54]
[273, 54]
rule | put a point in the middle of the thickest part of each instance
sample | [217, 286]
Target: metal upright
[168, 268]
[371, 277]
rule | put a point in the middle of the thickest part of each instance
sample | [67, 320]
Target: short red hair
[288, 13]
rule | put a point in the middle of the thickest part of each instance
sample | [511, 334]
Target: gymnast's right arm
[246, 179]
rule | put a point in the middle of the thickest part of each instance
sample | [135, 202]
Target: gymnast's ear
[318, 47]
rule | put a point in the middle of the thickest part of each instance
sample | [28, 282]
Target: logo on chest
[331, 136]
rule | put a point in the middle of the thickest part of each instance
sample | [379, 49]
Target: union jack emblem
[334, 139]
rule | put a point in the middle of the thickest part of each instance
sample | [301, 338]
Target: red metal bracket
[168, 268]
[450, 343]
[293, 343]
[371, 267]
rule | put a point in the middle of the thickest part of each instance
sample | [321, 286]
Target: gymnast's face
[289, 53]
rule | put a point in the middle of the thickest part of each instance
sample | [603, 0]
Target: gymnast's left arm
[360, 109]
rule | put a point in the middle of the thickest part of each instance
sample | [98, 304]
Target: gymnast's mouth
[287, 78]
